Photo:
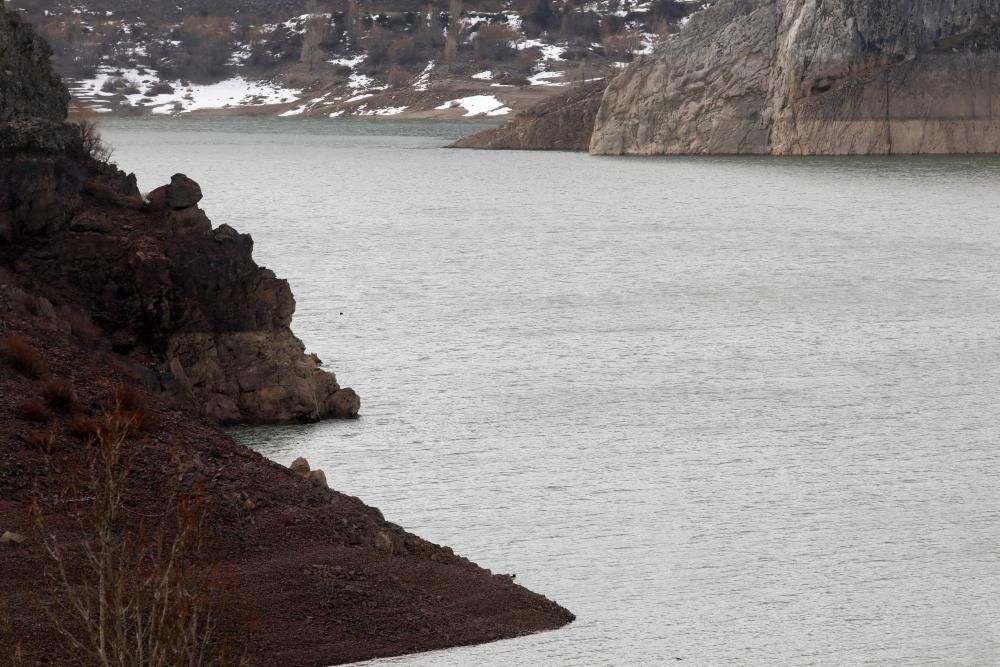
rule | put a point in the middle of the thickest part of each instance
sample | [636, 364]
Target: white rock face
[814, 77]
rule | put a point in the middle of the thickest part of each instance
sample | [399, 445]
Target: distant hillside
[342, 57]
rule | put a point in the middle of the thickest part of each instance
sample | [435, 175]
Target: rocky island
[795, 77]
[131, 329]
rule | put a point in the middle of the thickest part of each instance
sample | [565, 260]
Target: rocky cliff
[562, 123]
[184, 301]
[28, 87]
[123, 324]
[810, 77]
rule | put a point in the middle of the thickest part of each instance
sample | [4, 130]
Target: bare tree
[454, 32]
[354, 18]
[93, 144]
[317, 27]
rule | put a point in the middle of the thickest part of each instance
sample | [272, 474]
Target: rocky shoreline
[108, 302]
[789, 77]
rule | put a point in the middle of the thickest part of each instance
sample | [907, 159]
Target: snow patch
[424, 79]
[385, 111]
[235, 92]
[348, 62]
[544, 79]
[476, 105]
[550, 52]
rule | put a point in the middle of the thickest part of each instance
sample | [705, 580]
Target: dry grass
[24, 357]
[34, 411]
[59, 394]
[84, 428]
[129, 594]
[43, 441]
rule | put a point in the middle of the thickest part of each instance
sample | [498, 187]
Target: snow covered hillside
[342, 57]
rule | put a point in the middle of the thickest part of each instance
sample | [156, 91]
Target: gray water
[727, 411]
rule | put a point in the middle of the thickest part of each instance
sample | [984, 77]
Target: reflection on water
[730, 411]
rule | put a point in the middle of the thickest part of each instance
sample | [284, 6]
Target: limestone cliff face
[182, 302]
[814, 77]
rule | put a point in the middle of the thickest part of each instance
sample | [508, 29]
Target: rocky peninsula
[119, 309]
[795, 77]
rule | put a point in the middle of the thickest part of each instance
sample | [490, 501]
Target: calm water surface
[728, 411]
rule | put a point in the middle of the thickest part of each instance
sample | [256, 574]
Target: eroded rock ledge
[184, 302]
[806, 77]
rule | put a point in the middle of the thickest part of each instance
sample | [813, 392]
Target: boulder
[157, 199]
[319, 477]
[300, 466]
[182, 192]
[345, 404]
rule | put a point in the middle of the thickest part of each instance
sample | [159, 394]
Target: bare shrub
[43, 441]
[404, 51]
[398, 78]
[59, 394]
[527, 60]
[84, 428]
[161, 88]
[495, 43]
[92, 142]
[34, 411]
[206, 43]
[24, 357]
[130, 399]
[622, 45]
[127, 594]
[377, 42]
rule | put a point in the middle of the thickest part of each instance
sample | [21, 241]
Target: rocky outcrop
[262, 376]
[808, 77]
[563, 122]
[28, 86]
[318, 576]
[312, 576]
[300, 467]
[185, 301]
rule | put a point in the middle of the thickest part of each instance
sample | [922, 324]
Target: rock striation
[808, 77]
[182, 299]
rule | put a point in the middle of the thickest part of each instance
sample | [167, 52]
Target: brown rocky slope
[104, 295]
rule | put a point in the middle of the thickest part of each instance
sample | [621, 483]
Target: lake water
[727, 411]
